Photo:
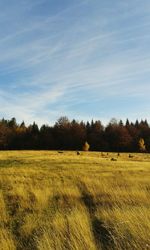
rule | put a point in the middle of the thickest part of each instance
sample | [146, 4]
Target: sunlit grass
[68, 201]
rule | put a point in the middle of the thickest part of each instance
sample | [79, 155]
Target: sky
[84, 59]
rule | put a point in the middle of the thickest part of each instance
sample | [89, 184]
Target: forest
[116, 136]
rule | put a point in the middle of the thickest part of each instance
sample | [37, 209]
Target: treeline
[71, 135]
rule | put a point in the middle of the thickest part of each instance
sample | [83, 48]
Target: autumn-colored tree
[71, 135]
[86, 146]
[141, 144]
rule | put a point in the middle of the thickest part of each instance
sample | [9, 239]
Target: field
[51, 200]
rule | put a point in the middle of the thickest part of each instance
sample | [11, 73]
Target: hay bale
[113, 159]
[131, 156]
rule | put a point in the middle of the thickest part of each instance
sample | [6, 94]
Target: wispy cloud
[74, 59]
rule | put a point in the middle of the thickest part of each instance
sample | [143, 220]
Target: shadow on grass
[17, 220]
[102, 235]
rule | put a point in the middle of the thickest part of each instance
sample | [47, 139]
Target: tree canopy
[72, 135]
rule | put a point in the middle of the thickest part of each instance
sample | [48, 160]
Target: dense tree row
[71, 135]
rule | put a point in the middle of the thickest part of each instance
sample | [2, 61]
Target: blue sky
[80, 58]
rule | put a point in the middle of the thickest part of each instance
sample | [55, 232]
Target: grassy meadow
[59, 201]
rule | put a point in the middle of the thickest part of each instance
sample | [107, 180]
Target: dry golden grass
[78, 202]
